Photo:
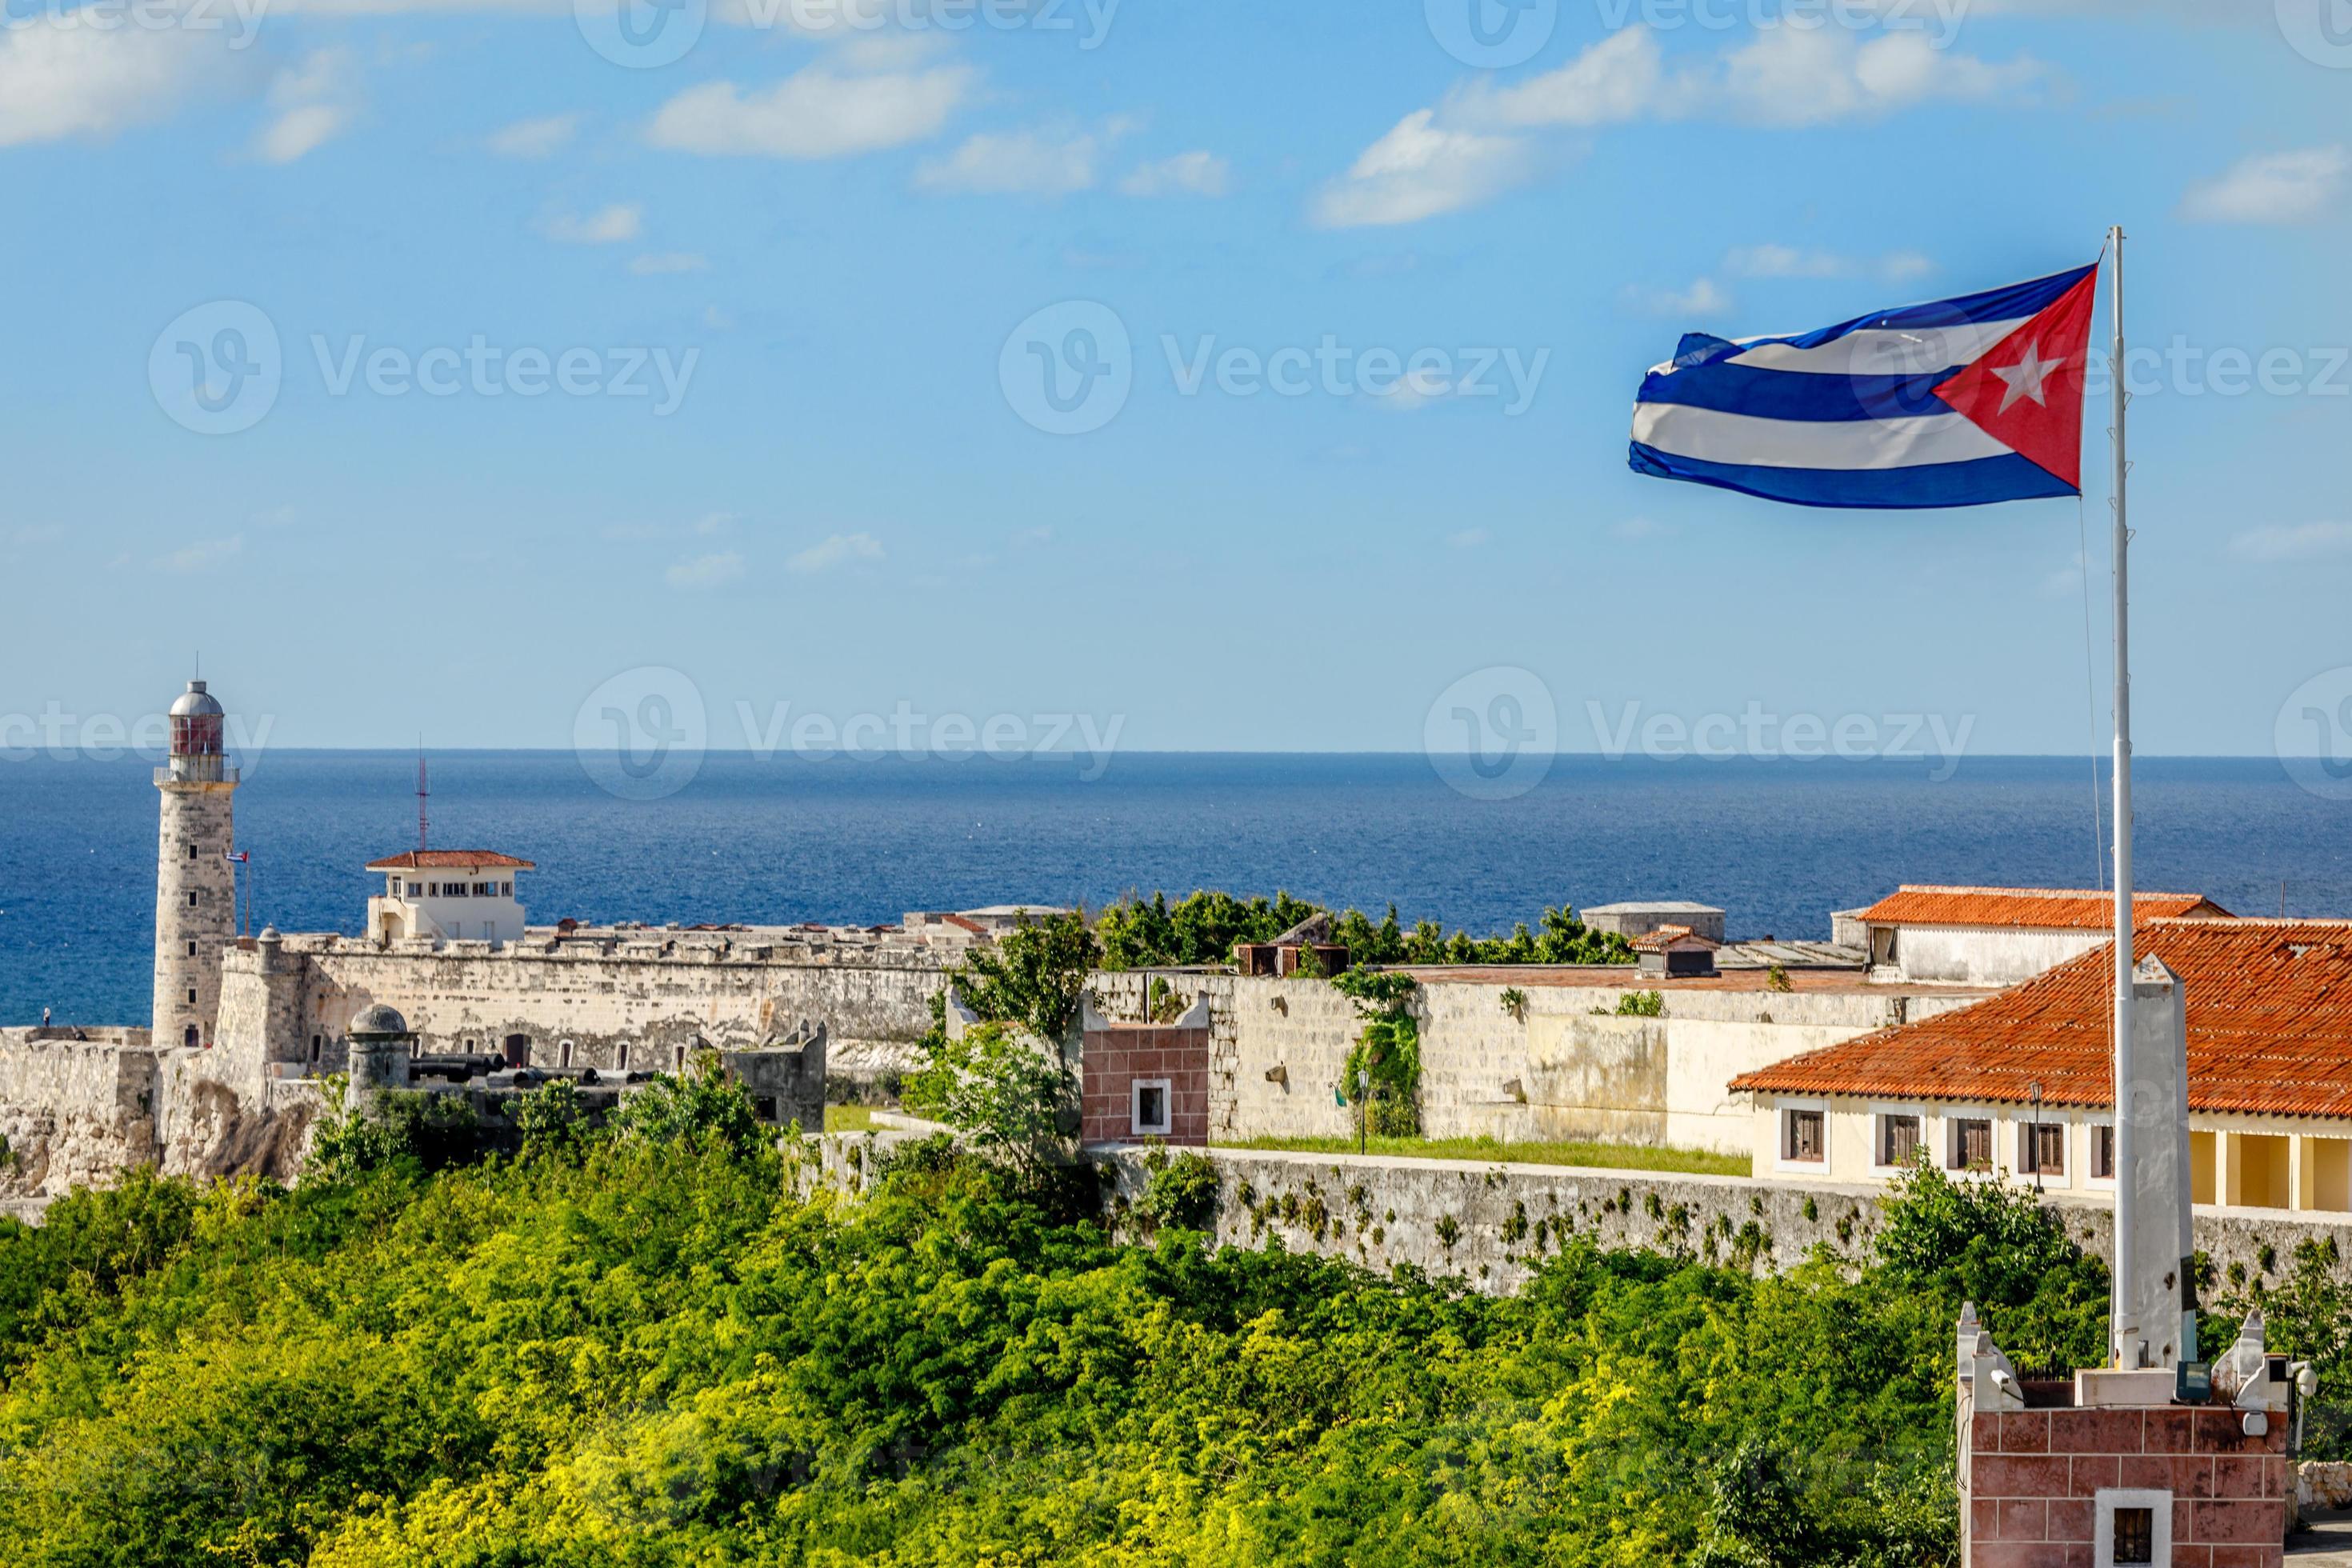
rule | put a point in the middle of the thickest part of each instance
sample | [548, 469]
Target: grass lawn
[848, 1119]
[1600, 1156]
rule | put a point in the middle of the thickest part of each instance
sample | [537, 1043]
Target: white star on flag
[2025, 377]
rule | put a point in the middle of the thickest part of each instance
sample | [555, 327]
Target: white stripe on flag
[1716, 438]
[1885, 350]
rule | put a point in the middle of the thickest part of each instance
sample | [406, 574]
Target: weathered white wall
[1580, 1070]
[1986, 955]
[74, 1112]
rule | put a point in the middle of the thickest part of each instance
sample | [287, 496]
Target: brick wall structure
[2034, 1476]
[1114, 1057]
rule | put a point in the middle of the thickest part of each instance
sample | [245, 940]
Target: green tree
[1009, 1094]
[1034, 975]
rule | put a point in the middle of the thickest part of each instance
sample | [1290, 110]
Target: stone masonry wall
[1563, 1066]
[73, 1112]
[1493, 1224]
[651, 996]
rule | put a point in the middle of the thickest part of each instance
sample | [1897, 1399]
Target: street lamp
[1363, 1109]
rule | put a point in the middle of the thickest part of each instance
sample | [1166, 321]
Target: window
[317, 1044]
[2132, 1529]
[680, 1059]
[192, 996]
[625, 1056]
[563, 1054]
[2135, 1535]
[1898, 1139]
[2103, 1153]
[192, 851]
[1150, 1106]
[1801, 1137]
[2042, 1148]
[1971, 1144]
[192, 949]
[192, 899]
[505, 889]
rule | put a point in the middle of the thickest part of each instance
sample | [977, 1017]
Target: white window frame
[2107, 1500]
[1135, 1107]
[2090, 1127]
[1781, 1111]
[1878, 1115]
[2050, 1118]
[1951, 1141]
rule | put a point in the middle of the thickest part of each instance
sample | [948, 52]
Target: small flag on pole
[1954, 403]
[236, 856]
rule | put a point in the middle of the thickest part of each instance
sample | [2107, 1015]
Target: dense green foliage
[1205, 927]
[1386, 1057]
[1034, 976]
[1011, 1101]
[627, 1350]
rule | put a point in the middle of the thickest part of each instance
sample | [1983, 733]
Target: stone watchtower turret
[195, 882]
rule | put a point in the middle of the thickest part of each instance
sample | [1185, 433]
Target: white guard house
[455, 895]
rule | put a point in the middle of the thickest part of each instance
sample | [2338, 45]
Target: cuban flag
[1956, 402]
[236, 856]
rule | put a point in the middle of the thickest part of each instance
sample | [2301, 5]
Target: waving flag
[1956, 402]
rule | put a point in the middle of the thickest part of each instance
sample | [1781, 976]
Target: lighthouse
[195, 882]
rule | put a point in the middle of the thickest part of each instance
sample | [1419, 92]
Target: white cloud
[301, 131]
[835, 551]
[1621, 78]
[1415, 389]
[315, 101]
[1468, 539]
[1771, 260]
[1419, 169]
[34, 533]
[202, 556]
[706, 571]
[667, 262]
[813, 113]
[539, 137]
[1703, 297]
[61, 79]
[1185, 174]
[2294, 541]
[1811, 76]
[1019, 163]
[608, 225]
[2272, 187]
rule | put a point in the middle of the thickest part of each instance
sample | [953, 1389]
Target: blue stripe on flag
[1993, 305]
[1797, 394]
[1977, 483]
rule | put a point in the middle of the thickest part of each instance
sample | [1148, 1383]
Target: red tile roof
[2270, 1029]
[451, 860]
[2065, 909]
[1664, 937]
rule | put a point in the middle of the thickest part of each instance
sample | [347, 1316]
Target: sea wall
[1493, 1224]
[74, 1111]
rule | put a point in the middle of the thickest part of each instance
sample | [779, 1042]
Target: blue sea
[1778, 843]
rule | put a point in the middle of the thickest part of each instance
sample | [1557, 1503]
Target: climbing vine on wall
[1388, 1051]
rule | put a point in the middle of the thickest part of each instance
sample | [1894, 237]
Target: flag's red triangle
[2026, 391]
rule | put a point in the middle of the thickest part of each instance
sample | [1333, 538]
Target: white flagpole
[2125, 1333]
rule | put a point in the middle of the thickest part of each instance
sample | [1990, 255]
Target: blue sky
[828, 233]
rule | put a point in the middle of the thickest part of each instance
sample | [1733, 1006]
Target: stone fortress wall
[1563, 1066]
